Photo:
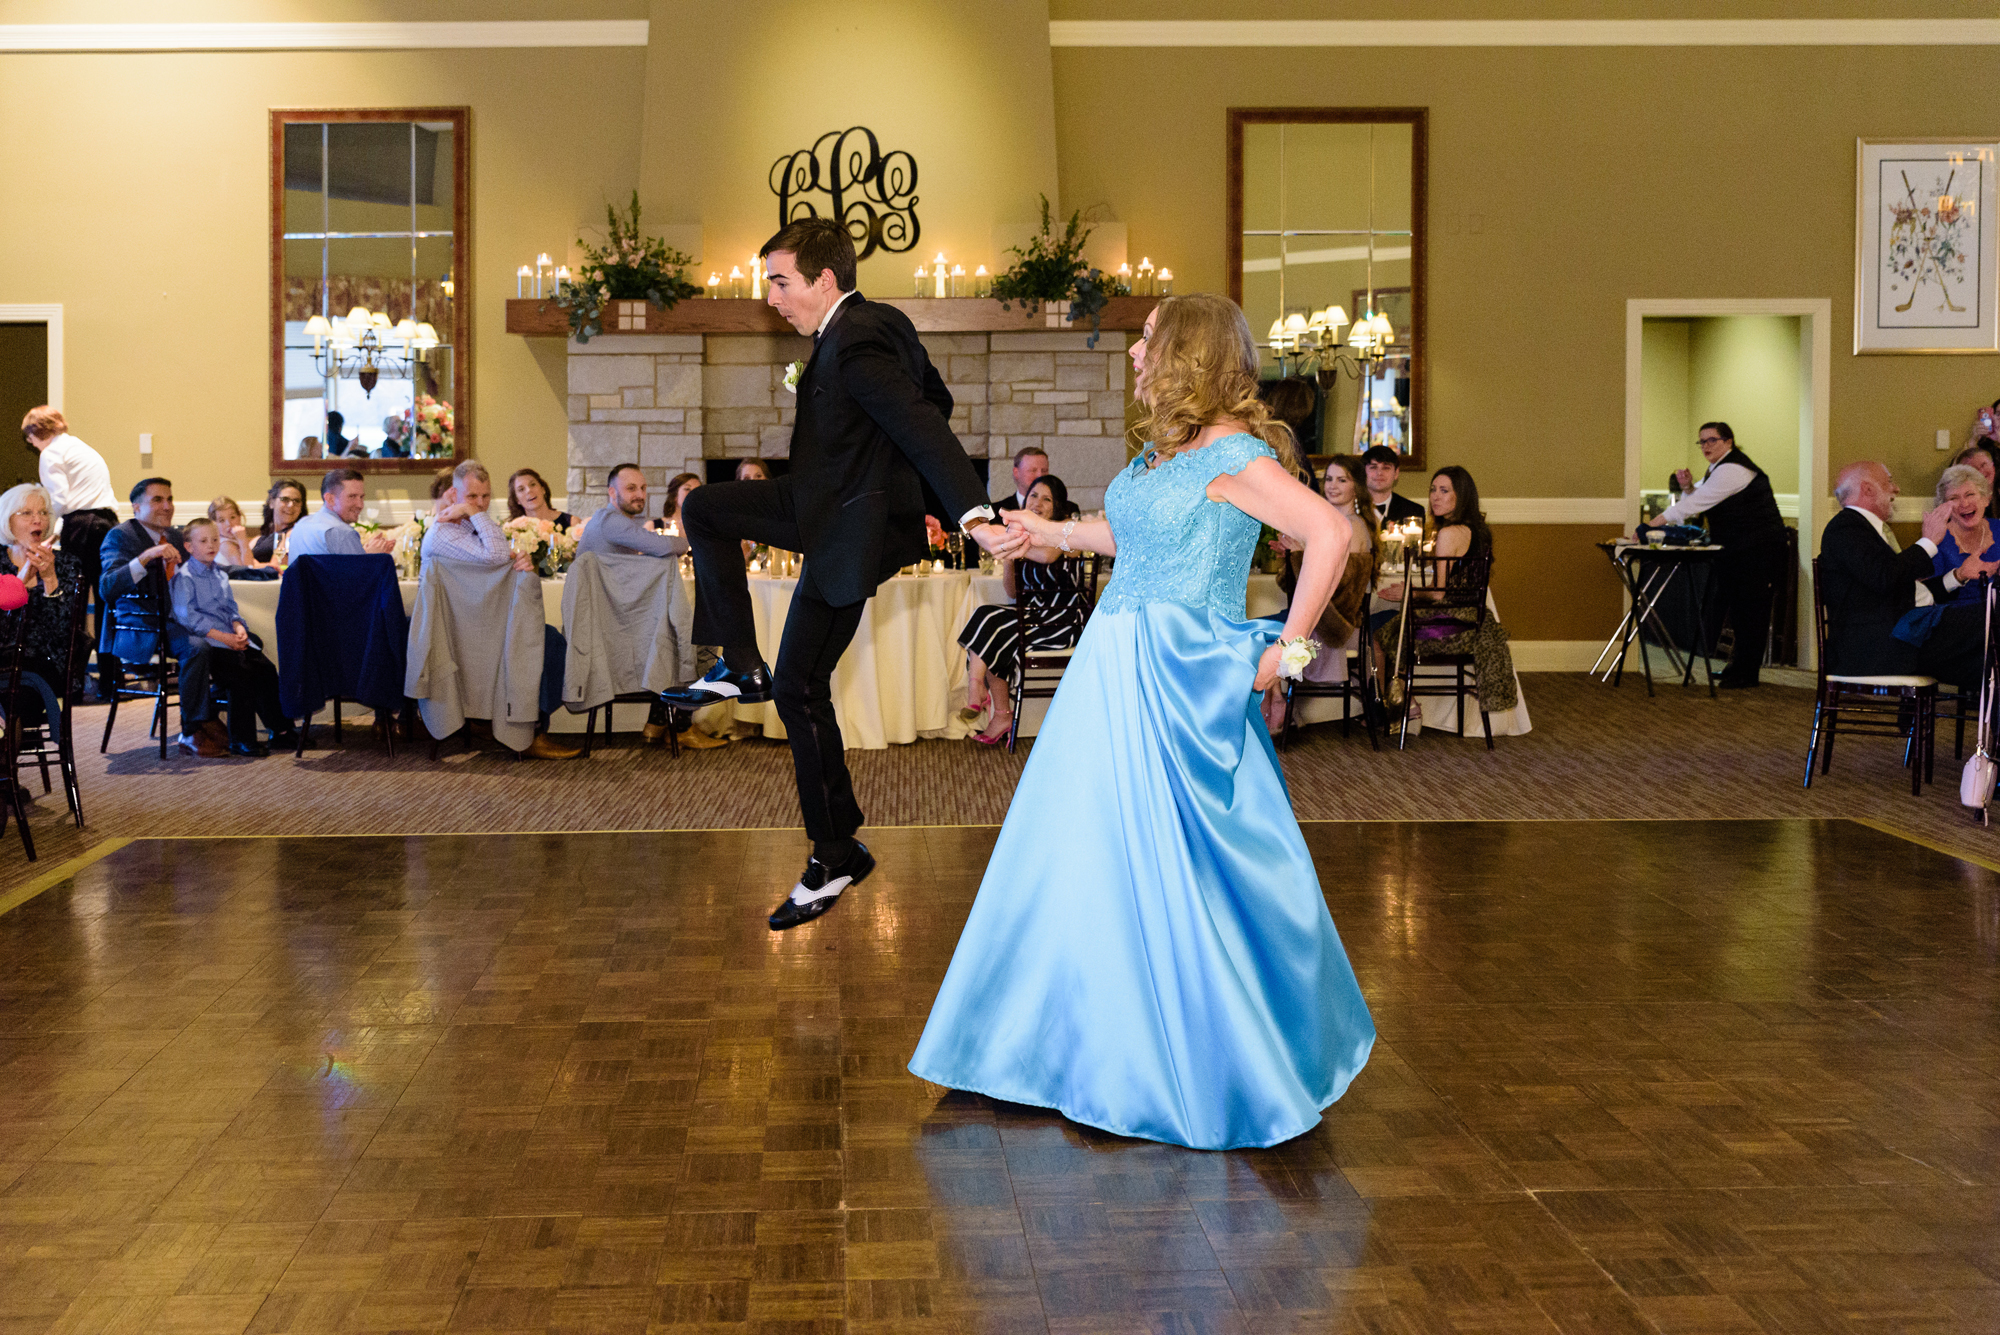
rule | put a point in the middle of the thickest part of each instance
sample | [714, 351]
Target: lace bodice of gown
[1174, 544]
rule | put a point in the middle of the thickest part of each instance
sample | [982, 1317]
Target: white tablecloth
[902, 678]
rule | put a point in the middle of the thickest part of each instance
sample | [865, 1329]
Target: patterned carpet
[1595, 754]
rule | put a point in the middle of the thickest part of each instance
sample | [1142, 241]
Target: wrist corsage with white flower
[1294, 654]
[792, 374]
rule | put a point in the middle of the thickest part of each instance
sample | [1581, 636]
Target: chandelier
[363, 343]
[1317, 345]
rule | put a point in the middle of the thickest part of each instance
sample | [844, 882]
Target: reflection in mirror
[369, 332]
[1326, 234]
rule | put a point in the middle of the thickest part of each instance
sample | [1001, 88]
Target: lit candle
[982, 282]
[957, 273]
[714, 286]
[1166, 282]
[1125, 276]
[938, 274]
[562, 276]
[1146, 274]
[542, 262]
[521, 281]
[756, 279]
[921, 276]
[938, 566]
[735, 280]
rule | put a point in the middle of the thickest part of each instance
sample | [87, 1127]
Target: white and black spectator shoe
[722, 683]
[821, 886]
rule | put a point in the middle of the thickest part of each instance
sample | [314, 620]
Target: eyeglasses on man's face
[1708, 440]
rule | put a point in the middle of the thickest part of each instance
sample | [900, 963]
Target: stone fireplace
[673, 400]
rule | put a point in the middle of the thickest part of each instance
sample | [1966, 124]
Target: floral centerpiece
[630, 267]
[549, 546]
[431, 426]
[1051, 268]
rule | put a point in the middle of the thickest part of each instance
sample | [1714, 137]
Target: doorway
[30, 375]
[1760, 364]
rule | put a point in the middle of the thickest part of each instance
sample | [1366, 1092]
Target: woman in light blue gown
[1150, 952]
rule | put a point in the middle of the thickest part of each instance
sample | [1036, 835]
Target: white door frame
[1815, 371]
[52, 316]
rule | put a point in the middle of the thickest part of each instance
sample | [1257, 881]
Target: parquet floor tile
[1666, 1077]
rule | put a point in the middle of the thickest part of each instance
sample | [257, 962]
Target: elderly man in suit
[871, 429]
[1868, 581]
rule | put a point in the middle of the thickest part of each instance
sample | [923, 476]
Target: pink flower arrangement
[431, 425]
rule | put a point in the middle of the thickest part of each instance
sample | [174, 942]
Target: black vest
[1750, 518]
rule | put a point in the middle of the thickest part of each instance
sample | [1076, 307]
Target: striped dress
[993, 632]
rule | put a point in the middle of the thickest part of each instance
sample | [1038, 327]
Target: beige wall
[965, 88]
[1562, 183]
[150, 228]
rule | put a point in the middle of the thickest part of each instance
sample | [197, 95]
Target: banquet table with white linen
[903, 677]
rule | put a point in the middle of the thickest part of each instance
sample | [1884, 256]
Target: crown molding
[1524, 32]
[102, 37]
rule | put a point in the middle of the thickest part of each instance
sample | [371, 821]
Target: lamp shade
[1295, 323]
[1379, 325]
[357, 315]
[1335, 315]
[318, 327]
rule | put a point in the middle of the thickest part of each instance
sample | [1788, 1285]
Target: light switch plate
[146, 445]
[1944, 438]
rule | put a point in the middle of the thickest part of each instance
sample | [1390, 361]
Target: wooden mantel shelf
[699, 315]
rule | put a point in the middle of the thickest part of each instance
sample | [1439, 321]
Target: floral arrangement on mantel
[550, 547]
[1051, 269]
[431, 425]
[631, 267]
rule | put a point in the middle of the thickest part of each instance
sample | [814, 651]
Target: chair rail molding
[50, 314]
[111, 37]
[1524, 32]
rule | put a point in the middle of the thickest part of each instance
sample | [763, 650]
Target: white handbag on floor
[1975, 783]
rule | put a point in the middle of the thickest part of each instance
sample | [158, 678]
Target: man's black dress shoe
[288, 740]
[820, 887]
[255, 750]
[722, 683]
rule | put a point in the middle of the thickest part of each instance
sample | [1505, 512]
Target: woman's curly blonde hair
[1201, 367]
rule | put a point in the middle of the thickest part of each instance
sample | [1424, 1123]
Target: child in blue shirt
[223, 653]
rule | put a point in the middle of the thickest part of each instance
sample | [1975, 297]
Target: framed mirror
[371, 355]
[1326, 257]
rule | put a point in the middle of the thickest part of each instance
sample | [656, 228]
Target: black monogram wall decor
[872, 193]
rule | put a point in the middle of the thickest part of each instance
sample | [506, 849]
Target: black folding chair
[156, 678]
[1037, 673]
[15, 799]
[1356, 684]
[1437, 592]
[54, 739]
[1904, 707]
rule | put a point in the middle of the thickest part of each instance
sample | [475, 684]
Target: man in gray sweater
[620, 529]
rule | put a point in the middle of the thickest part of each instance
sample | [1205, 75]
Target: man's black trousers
[716, 519]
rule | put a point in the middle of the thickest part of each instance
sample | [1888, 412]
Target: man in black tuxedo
[1868, 583]
[1030, 462]
[1382, 466]
[871, 429]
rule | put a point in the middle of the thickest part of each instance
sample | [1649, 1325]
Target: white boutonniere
[792, 374]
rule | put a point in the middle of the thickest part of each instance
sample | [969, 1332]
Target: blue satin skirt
[1150, 952]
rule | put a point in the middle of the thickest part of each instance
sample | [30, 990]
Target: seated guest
[462, 530]
[221, 654]
[337, 442]
[678, 486]
[394, 427]
[1383, 466]
[1869, 582]
[284, 506]
[1984, 456]
[1460, 531]
[310, 448]
[138, 559]
[992, 635]
[55, 586]
[753, 470]
[1030, 462]
[1966, 494]
[528, 494]
[1344, 485]
[620, 528]
[440, 481]
[329, 530]
[235, 549]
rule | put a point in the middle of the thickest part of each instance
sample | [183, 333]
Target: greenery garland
[631, 267]
[1052, 268]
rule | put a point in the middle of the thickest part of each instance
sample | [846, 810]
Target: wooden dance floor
[1685, 1077]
